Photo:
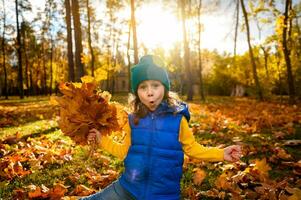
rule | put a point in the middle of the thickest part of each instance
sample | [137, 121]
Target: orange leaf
[199, 176]
[37, 193]
[58, 191]
[222, 182]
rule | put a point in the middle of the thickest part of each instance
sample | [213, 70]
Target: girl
[157, 137]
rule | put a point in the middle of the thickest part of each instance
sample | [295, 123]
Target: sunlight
[157, 27]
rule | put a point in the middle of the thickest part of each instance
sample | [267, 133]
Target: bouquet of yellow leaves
[83, 108]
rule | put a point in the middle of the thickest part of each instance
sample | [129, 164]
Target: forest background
[237, 63]
[45, 44]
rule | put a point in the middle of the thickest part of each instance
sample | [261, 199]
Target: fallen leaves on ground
[14, 114]
[270, 168]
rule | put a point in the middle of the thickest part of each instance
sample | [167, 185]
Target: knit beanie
[149, 68]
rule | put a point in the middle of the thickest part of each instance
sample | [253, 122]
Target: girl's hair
[139, 110]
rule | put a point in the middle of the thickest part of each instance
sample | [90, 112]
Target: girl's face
[151, 93]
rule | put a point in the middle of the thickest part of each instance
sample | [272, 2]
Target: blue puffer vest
[153, 166]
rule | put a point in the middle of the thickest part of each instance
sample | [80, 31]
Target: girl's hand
[94, 136]
[232, 153]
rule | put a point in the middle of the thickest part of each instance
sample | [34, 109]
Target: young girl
[157, 137]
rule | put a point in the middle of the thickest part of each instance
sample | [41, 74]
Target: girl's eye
[155, 85]
[142, 87]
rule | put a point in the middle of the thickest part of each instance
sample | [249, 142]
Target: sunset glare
[157, 27]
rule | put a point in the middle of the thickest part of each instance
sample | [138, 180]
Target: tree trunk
[236, 30]
[286, 37]
[186, 54]
[254, 68]
[23, 33]
[4, 52]
[51, 67]
[20, 71]
[278, 57]
[133, 24]
[266, 56]
[44, 67]
[78, 40]
[89, 38]
[200, 54]
[129, 58]
[30, 79]
[71, 76]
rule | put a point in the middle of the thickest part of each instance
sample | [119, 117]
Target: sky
[159, 27]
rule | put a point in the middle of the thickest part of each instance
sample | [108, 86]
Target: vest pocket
[134, 170]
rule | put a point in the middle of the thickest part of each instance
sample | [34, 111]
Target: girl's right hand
[94, 136]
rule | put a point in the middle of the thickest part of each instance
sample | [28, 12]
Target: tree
[251, 54]
[186, 51]
[236, 28]
[286, 38]
[71, 76]
[24, 30]
[20, 72]
[78, 41]
[50, 8]
[4, 52]
[89, 36]
[128, 56]
[133, 25]
[199, 52]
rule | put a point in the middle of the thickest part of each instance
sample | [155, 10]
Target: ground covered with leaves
[37, 161]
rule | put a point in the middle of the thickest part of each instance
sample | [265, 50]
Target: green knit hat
[149, 68]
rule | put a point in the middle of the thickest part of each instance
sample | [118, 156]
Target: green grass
[16, 99]
[32, 128]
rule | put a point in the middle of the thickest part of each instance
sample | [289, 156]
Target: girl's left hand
[232, 153]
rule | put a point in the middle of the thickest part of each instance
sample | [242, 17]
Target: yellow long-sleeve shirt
[190, 147]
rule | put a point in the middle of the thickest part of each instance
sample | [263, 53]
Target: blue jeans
[112, 192]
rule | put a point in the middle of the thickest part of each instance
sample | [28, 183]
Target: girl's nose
[149, 92]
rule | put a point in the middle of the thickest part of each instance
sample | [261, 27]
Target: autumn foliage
[83, 108]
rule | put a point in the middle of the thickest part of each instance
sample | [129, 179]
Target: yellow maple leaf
[87, 79]
[262, 166]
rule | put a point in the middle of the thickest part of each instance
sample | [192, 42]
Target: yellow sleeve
[195, 150]
[117, 149]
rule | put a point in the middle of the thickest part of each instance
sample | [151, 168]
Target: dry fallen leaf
[262, 167]
[199, 176]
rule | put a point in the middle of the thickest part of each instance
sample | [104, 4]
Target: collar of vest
[182, 109]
